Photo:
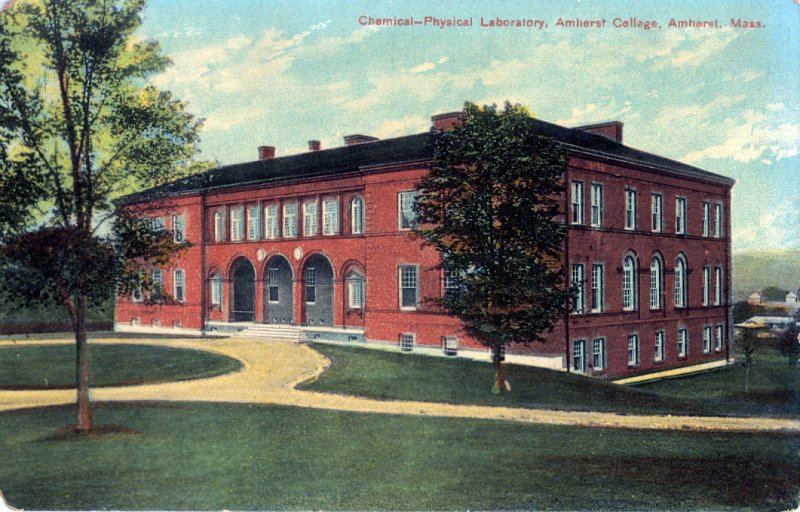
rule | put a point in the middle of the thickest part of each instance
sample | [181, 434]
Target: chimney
[610, 130]
[266, 152]
[357, 138]
[447, 121]
[314, 145]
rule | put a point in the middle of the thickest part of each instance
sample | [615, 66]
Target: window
[718, 288]
[158, 224]
[599, 354]
[718, 338]
[311, 285]
[633, 350]
[680, 215]
[179, 285]
[450, 345]
[629, 284]
[407, 340]
[310, 218]
[598, 288]
[718, 220]
[577, 202]
[273, 285]
[216, 291]
[707, 339]
[405, 206]
[659, 355]
[706, 217]
[237, 224]
[408, 286]
[179, 228]
[706, 285]
[450, 283]
[219, 226]
[254, 223]
[330, 217]
[271, 222]
[680, 282]
[683, 342]
[578, 284]
[157, 287]
[656, 211]
[357, 215]
[655, 282]
[596, 207]
[630, 209]
[579, 356]
[136, 295]
[355, 290]
[290, 220]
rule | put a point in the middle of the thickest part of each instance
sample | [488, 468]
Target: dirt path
[273, 369]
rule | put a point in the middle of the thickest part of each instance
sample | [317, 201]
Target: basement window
[450, 345]
[407, 341]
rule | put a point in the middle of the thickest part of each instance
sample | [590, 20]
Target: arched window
[629, 284]
[216, 291]
[680, 282]
[357, 215]
[355, 290]
[655, 282]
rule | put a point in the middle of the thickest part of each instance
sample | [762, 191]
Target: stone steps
[272, 331]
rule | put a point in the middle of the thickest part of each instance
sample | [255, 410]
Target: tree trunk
[85, 414]
[499, 371]
[747, 378]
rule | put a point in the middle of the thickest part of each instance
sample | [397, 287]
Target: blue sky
[281, 73]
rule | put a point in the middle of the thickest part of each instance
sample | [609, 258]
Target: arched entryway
[244, 290]
[278, 292]
[317, 291]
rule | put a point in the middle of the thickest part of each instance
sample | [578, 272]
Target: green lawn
[240, 457]
[53, 366]
[391, 375]
[774, 386]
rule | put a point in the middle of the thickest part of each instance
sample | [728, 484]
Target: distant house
[771, 324]
[754, 298]
[791, 298]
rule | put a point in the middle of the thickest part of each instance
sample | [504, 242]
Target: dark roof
[410, 148]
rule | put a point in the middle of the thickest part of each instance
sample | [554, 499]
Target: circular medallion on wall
[298, 253]
[261, 254]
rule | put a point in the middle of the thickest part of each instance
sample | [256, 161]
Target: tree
[788, 342]
[490, 205]
[84, 128]
[773, 294]
[748, 341]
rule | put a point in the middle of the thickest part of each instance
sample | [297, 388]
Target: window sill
[408, 308]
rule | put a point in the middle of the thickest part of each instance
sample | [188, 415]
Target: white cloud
[443, 60]
[775, 106]
[595, 112]
[403, 126]
[776, 227]
[427, 66]
[752, 136]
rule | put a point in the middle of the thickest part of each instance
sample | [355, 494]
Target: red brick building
[317, 245]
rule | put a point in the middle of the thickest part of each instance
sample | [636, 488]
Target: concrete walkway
[272, 369]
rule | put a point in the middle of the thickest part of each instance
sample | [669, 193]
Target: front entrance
[244, 290]
[278, 294]
[317, 291]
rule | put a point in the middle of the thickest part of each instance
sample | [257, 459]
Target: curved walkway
[272, 370]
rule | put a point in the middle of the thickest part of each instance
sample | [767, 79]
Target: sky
[723, 99]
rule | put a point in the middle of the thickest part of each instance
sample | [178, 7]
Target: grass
[774, 386]
[241, 457]
[53, 366]
[391, 375]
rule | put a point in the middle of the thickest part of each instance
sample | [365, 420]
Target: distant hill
[754, 271]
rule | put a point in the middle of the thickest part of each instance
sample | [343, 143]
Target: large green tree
[490, 205]
[82, 126]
